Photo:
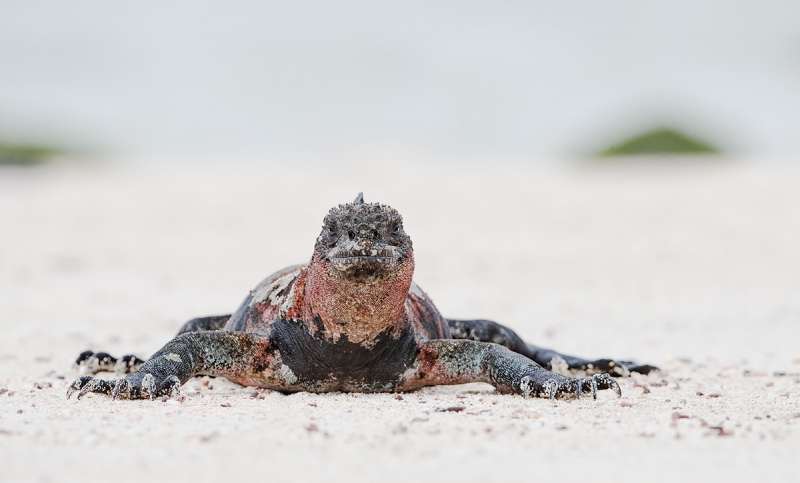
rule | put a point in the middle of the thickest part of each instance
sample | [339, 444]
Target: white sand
[696, 269]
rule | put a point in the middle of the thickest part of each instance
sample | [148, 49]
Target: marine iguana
[350, 320]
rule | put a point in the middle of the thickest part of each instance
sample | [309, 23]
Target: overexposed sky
[532, 77]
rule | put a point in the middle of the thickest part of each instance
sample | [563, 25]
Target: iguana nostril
[351, 235]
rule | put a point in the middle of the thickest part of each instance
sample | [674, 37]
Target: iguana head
[359, 277]
[364, 242]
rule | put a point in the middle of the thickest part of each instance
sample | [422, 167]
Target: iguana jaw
[364, 262]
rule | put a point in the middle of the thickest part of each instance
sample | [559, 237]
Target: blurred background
[537, 78]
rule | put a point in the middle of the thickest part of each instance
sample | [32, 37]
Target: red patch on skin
[266, 312]
[295, 312]
[427, 321]
[428, 359]
[269, 311]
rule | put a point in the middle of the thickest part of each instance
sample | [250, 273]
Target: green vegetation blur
[660, 141]
[25, 155]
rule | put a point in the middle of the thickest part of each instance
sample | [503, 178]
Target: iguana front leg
[243, 358]
[463, 361]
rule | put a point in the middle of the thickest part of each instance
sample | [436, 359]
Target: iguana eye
[331, 236]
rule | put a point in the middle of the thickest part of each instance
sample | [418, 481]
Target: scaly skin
[350, 320]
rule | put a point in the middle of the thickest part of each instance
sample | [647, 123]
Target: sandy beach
[691, 266]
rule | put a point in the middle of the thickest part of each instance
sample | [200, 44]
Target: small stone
[399, 397]
[721, 431]
[226, 405]
[208, 437]
[677, 416]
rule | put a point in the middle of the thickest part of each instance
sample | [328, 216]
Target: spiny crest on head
[361, 212]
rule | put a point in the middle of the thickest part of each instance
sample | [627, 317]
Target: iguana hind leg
[202, 324]
[489, 331]
[91, 363]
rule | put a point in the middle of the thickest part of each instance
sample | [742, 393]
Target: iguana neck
[356, 310]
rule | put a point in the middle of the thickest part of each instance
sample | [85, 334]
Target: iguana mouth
[364, 261]
[365, 254]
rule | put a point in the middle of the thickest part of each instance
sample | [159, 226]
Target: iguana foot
[600, 366]
[638, 368]
[554, 387]
[86, 384]
[134, 386]
[91, 363]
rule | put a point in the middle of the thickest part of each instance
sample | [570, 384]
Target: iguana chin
[350, 320]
